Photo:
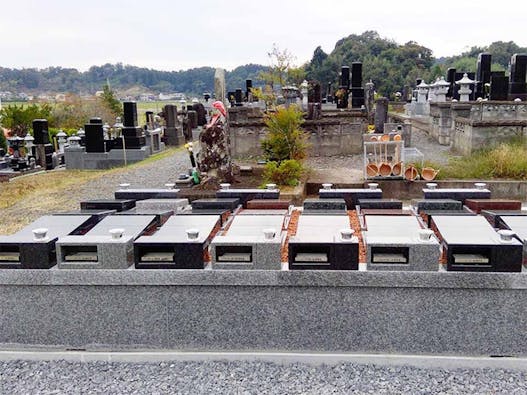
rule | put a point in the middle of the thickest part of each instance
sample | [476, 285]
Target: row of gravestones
[494, 85]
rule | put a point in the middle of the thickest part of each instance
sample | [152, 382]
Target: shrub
[506, 160]
[288, 172]
[286, 139]
[3, 141]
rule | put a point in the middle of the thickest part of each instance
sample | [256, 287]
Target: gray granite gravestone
[108, 245]
[251, 242]
[398, 243]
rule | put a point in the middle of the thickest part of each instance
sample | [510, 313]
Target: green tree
[286, 139]
[110, 101]
[19, 118]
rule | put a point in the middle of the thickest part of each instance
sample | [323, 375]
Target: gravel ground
[348, 169]
[249, 377]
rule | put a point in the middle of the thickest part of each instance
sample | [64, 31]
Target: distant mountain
[121, 77]
[391, 66]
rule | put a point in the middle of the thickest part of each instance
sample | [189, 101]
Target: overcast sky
[176, 35]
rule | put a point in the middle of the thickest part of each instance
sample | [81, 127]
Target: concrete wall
[336, 133]
[390, 312]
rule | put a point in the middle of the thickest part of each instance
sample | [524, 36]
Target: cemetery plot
[399, 243]
[428, 215]
[33, 247]
[109, 245]
[251, 242]
[323, 243]
[471, 244]
[179, 244]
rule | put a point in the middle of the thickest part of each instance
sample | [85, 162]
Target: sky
[177, 35]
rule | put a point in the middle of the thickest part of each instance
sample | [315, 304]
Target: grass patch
[26, 198]
[505, 161]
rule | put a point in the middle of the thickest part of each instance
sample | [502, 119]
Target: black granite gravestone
[94, 137]
[192, 118]
[517, 84]
[345, 76]
[95, 120]
[238, 97]
[499, 87]
[199, 108]
[133, 136]
[170, 115]
[130, 114]
[356, 75]
[482, 73]
[40, 131]
[450, 78]
[23, 250]
[248, 87]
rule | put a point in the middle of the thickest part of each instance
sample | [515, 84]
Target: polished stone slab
[427, 215]
[477, 205]
[133, 225]
[350, 195]
[266, 204]
[393, 244]
[380, 204]
[456, 193]
[222, 203]
[146, 193]
[162, 204]
[493, 216]
[471, 244]
[161, 215]
[248, 194]
[436, 204]
[108, 204]
[324, 204]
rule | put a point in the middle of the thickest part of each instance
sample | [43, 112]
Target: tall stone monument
[220, 90]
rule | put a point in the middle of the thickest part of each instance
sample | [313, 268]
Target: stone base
[257, 310]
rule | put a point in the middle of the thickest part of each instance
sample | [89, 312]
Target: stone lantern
[74, 141]
[61, 139]
[422, 91]
[303, 90]
[441, 89]
[464, 88]
[432, 91]
[29, 142]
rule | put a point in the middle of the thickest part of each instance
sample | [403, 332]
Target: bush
[3, 141]
[287, 172]
[286, 139]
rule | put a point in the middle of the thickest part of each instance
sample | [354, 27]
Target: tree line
[391, 66]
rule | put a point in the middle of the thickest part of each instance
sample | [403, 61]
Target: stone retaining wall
[390, 312]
